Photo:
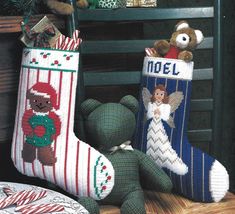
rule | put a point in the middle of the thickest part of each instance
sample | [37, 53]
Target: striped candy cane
[8, 191]
[59, 41]
[40, 209]
[14, 198]
[34, 197]
[150, 51]
[65, 44]
[76, 35]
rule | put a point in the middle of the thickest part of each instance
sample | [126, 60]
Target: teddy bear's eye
[48, 102]
[35, 101]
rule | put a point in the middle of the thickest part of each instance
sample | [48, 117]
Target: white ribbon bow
[124, 146]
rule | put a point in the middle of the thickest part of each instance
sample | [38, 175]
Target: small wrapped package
[44, 34]
[112, 4]
[141, 3]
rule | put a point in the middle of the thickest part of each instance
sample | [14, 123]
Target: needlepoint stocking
[162, 131]
[44, 144]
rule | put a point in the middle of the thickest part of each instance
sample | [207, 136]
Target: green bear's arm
[154, 177]
[90, 204]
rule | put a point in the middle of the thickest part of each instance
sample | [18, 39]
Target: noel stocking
[44, 144]
[162, 131]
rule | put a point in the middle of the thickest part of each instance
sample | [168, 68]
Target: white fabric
[163, 108]
[124, 146]
[167, 68]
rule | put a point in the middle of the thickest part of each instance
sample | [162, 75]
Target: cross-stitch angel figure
[159, 108]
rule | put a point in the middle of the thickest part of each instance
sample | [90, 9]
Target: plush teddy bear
[110, 126]
[182, 42]
[64, 8]
[21, 7]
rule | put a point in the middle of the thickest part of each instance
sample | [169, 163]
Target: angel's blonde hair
[162, 88]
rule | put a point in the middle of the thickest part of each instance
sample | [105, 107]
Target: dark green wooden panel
[128, 46]
[200, 135]
[134, 14]
[201, 105]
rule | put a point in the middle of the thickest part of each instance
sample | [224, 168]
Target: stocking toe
[219, 181]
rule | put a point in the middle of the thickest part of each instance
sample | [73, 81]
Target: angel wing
[146, 95]
[170, 122]
[175, 100]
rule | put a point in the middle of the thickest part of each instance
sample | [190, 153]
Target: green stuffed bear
[110, 126]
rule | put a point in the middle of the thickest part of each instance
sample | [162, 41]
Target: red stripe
[88, 172]
[67, 134]
[38, 73]
[61, 75]
[25, 107]
[49, 76]
[43, 168]
[77, 161]
[18, 112]
[59, 98]
[33, 166]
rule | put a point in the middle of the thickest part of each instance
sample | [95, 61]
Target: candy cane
[65, 44]
[76, 35]
[70, 45]
[149, 51]
[14, 198]
[34, 197]
[59, 41]
[40, 209]
[8, 191]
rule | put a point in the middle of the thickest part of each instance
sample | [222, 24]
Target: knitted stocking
[166, 90]
[44, 144]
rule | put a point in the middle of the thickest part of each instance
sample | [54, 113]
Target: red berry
[67, 57]
[104, 167]
[109, 177]
[33, 60]
[104, 187]
[44, 56]
[56, 62]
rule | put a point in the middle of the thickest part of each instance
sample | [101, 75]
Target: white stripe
[172, 129]
[32, 81]
[203, 175]
[82, 166]
[192, 190]
[39, 93]
[61, 139]
[182, 131]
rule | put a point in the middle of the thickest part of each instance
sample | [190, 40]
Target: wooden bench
[162, 203]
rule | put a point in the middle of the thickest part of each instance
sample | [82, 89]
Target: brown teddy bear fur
[64, 8]
[161, 48]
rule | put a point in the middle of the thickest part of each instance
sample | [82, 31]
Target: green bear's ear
[130, 102]
[89, 106]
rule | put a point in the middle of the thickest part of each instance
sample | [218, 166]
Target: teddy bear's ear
[199, 36]
[181, 25]
[89, 106]
[130, 102]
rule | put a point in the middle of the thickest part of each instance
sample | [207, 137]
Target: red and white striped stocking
[44, 144]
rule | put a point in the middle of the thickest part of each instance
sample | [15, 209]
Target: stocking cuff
[49, 59]
[168, 68]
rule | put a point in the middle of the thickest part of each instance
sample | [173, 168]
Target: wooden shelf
[143, 14]
[12, 24]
